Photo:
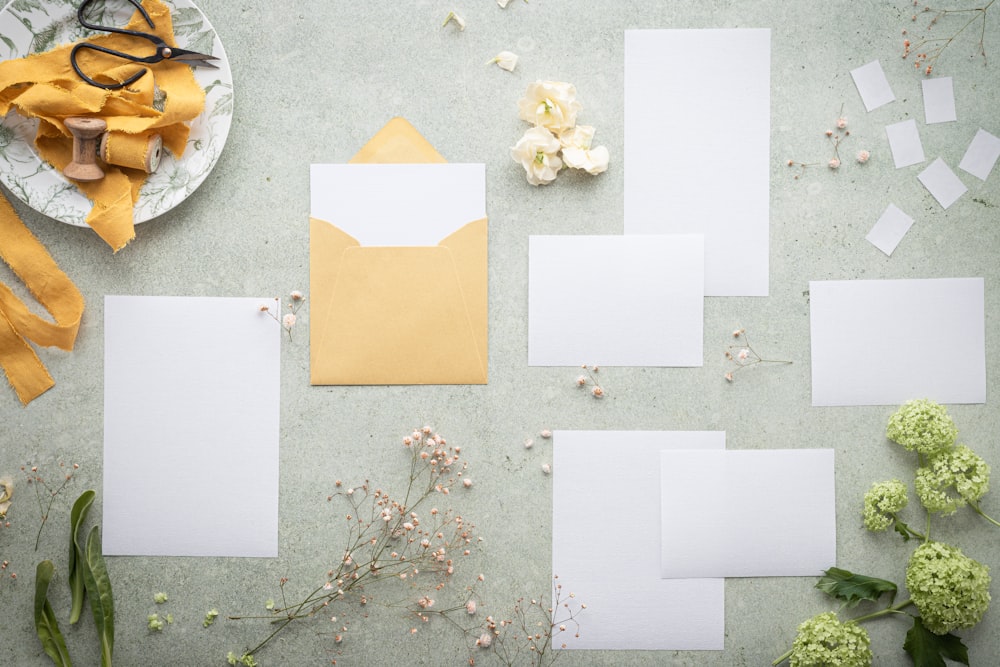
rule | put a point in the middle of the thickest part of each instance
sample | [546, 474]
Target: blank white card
[697, 147]
[883, 342]
[191, 407]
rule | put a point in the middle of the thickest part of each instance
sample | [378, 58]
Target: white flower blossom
[550, 104]
[505, 60]
[578, 152]
[538, 153]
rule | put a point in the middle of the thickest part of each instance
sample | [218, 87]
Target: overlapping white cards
[191, 411]
[616, 300]
[883, 342]
[747, 513]
[606, 544]
[697, 147]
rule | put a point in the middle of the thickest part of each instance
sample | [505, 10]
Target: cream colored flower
[6, 492]
[578, 153]
[550, 104]
[503, 3]
[505, 60]
[452, 16]
[538, 153]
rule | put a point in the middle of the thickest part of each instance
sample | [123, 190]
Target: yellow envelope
[398, 314]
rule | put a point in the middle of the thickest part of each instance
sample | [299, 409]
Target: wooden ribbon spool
[86, 133]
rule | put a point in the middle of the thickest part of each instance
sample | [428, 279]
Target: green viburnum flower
[160, 598]
[950, 589]
[882, 501]
[922, 425]
[960, 469]
[823, 641]
[154, 623]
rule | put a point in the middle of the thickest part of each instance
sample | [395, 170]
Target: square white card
[942, 183]
[890, 229]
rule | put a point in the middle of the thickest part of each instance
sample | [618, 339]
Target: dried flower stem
[926, 59]
[45, 496]
[744, 355]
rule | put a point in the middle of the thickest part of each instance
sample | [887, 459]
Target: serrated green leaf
[853, 588]
[46, 626]
[927, 649]
[76, 584]
[102, 603]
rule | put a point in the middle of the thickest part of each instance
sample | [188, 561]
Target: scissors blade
[192, 58]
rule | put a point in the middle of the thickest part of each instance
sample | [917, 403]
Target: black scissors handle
[163, 50]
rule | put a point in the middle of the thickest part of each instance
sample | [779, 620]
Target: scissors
[163, 50]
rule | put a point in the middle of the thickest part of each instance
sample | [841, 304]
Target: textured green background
[313, 82]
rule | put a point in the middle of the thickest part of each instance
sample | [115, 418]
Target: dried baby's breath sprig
[388, 539]
[45, 494]
[743, 355]
[926, 50]
[590, 380]
[835, 137]
[286, 321]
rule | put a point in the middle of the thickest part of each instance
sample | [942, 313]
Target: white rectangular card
[191, 411]
[697, 147]
[942, 183]
[890, 229]
[981, 155]
[883, 342]
[872, 85]
[771, 513]
[904, 141]
[616, 300]
[939, 100]
[606, 544]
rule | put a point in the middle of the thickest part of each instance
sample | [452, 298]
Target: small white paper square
[981, 155]
[904, 141]
[611, 479]
[629, 300]
[939, 100]
[872, 85]
[942, 182]
[890, 229]
[191, 425]
[771, 513]
[883, 342]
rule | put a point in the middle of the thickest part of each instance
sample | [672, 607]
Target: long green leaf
[853, 588]
[929, 650]
[76, 584]
[46, 625]
[102, 603]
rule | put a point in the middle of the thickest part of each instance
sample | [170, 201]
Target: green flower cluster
[882, 501]
[959, 468]
[950, 589]
[823, 641]
[922, 425]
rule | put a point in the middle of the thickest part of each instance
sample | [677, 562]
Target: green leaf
[102, 603]
[76, 585]
[929, 650]
[46, 625]
[902, 529]
[853, 588]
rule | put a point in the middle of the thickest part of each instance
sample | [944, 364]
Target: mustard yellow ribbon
[52, 288]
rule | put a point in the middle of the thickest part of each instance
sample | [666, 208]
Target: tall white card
[605, 519]
[772, 513]
[191, 408]
[883, 342]
[697, 147]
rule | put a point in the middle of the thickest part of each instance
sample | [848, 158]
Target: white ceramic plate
[33, 26]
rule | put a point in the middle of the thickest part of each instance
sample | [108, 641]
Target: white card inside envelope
[697, 147]
[770, 513]
[616, 300]
[872, 85]
[882, 342]
[191, 412]
[398, 204]
[606, 505]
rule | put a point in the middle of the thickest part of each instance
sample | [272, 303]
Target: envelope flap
[326, 246]
[397, 142]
